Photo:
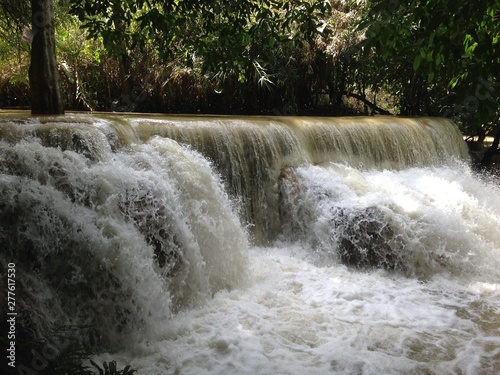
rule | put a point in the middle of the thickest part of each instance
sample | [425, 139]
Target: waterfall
[251, 153]
[251, 244]
[103, 222]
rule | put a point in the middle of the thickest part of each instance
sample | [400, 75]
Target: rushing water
[214, 245]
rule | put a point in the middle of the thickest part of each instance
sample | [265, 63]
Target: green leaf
[439, 59]
[430, 77]
[416, 62]
[454, 82]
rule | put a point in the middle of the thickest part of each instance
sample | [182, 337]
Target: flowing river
[253, 245]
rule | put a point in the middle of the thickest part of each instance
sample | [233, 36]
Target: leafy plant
[111, 369]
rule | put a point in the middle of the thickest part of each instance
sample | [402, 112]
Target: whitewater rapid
[303, 312]
[300, 318]
[175, 251]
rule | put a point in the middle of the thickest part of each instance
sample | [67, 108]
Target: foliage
[80, 62]
[14, 60]
[63, 354]
[448, 51]
[14, 15]
[237, 57]
[234, 46]
[232, 34]
[110, 369]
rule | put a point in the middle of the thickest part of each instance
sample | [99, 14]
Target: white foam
[300, 318]
[304, 313]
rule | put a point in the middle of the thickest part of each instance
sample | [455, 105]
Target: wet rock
[365, 238]
[155, 223]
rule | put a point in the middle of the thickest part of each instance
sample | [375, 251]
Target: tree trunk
[44, 77]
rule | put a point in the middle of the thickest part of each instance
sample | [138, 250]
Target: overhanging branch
[367, 102]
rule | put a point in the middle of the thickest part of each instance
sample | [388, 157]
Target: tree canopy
[238, 37]
[455, 44]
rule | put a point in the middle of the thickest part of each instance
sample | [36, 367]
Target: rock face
[359, 236]
[365, 238]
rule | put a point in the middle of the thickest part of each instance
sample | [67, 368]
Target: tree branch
[368, 103]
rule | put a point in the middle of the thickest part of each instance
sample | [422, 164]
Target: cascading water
[116, 240]
[251, 153]
[373, 247]
[419, 221]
